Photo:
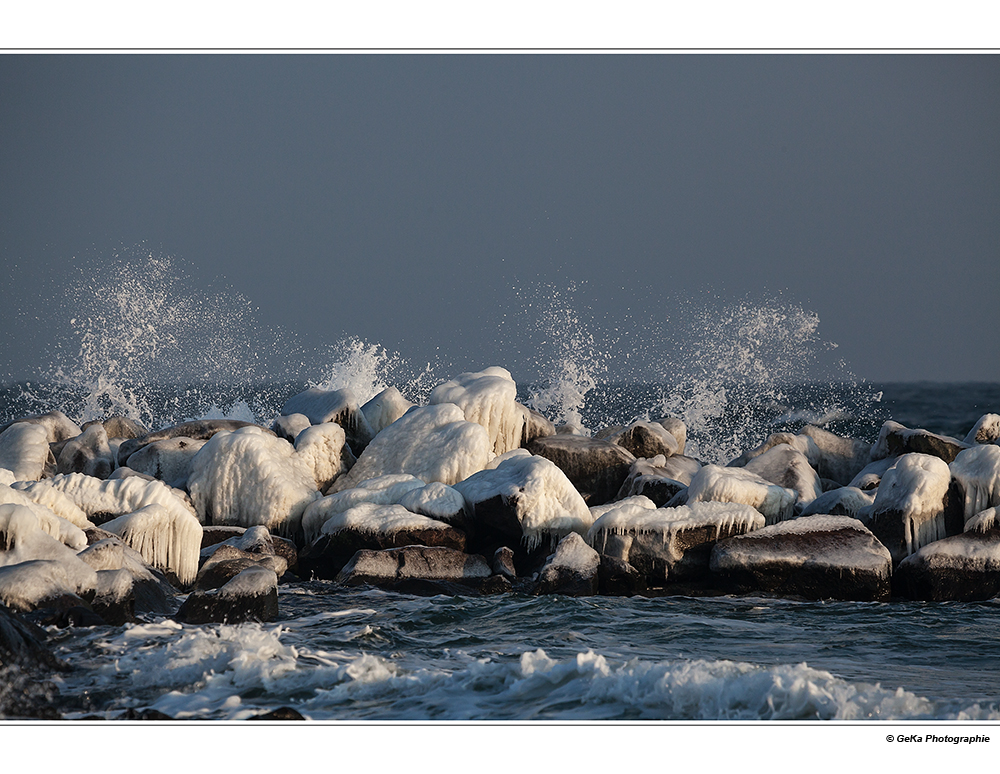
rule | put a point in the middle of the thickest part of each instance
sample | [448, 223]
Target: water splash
[367, 369]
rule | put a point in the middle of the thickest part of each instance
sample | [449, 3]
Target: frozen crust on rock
[737, 485]
[432, 443]
[487, 398]
[383, 490]
[977, 471]
[166, 540]
[384, 409]
[24, 450]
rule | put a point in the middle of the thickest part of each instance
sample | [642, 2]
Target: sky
[442, 205]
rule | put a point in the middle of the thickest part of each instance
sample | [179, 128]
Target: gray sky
[421, 201]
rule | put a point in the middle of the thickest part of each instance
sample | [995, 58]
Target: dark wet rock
[618, 578]
[250, 596]
[571, 570]
[643, 439]
[535, 426]
[227, 561]
[198, 429]
[340, 406]
[119, 427]
[496, 584]
[23, 644]
[282, 713]
[676, 428]
[114, 601]
[65, 612]
[650, 480]
[961, 568]
[816, 557]
[150, 592]
[393, 567]
[596, 468]
[88, 453]
[895, 440]
[917, 503]
[213, 534]
[503, 563]
[168, 460]
[147, 714]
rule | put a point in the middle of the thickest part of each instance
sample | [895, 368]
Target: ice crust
[978, 471]
[548, 506]
[382, 490]
[248, 477]
[737, 485]
[114, 496]
[324, 450]
[986, 430]
[573, 553]
[24, 450]
[385, 408]
[915, 486]
[634, 519]
[166, 540]
[372, 518]
[62, 529]
[251, 582]
[489, 398]
[433, 443]
[785, 466]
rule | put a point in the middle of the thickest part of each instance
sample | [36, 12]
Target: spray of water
[367, 369]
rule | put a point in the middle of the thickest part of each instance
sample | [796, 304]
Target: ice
[373, 518]
[249, 477]
[978, 471]
[914, 487]
[488, 398]
[62, 529]
[433, 443]
[340, 406]
[547, 505]
[634, 504]
[166, 540]
[383, 490]
[24, 450]
[436, 501]
[251, 582]
[7, 477]
[54, 500]
[736, 485]
[984, 521]
[986, 430]
[385, 408]
[324, 449]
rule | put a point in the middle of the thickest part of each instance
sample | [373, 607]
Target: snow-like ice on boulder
[436, 501]
[324, 449]
[977, 470]
[88, 453]
[737, 485]
[166, 540]
[382, 490]
[545, 505]
[7, 477]
[340, 406]
[845, 501]
[489, 398]
[24, 450]
[249, 477]
[58, 426]
[385, 408]
[984, 521]
[664, 542]
[62, 529]
[112, 497]
[372, 518]
[909, 509]
[433, 443]
[168, 460]
[788, 468]
[986, 430]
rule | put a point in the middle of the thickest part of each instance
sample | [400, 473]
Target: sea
[364, 655]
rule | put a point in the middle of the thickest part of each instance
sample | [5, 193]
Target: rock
[23, 644]
[282, 713]
[147, 714]
[432, 443]
[738, 485]
[339, 406]
[571, 570]
[24, 450]
[114, 600]
[668, 544]
[168, 460]
[816, 557]
[150, 590]
[384, 409]
[961, 568]
[227, 561]
[843, 501]
[870, 476]
[649, 478]
[487, 398]
[524, 501]
[645, 439]
[119, 427]
[58, 427]
[382, 490]
[503, 563]
[250, 596]
[168, 541]
[977, 472]
[535, 426]
[88, 453]
[788, 468]
[894, 440]
[677, 429]
[198, 429]
[986, 430]
[596, 468]
[618, 578]
[42, 583]
[288, 427]
[838, 459]
[392, 568]
[324, 449]
[915, 505]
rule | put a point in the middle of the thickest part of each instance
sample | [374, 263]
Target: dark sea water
[370, 655]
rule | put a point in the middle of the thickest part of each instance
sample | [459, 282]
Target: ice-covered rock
[487, 397]
[713, 483]
[986, 430]
[384, 409]
[168, 460]
[26, 534]
[977, 471]
[58, 427]
[88, 453]
[913, 507]
[817, 557]
[24, 450]
[249, 477]
[801, 443]
[845, 501]
[41, 583]
[167, 540]
[653, 480]
[151, 593]
[373, 526]
[643, 439]
[340, 406]
[228, 561]
[114, 597]
[962, 568]
[596, 467]
[984, 521]
[65, 530]
[536, 426]
[670, 543]
[788, 468]
[383, 490]
[288, 427]
[525, 499]
[250, 596]
[895, 440]
[403, 568]
[438, 501]
[432, 443]
[571, 570]
[870, 476]
[119, 427]
[676, 428]
[324, 449]
[196, 429]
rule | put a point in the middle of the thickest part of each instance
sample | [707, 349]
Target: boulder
[986, 430]
[382, 490]
[324, 449]
[227, 561]
[288, 427]
[114, 598]
[340, 406]
[870, 476]
[166, 540]
[24, 450]
[651, 478]
[738, 485]
[119, 427]
[384, 409]
[977, 472]
[250, 596]
[960, 568]
[677, 429]
[88, 453]
[618, 578]
[150, 591]
[894, 440]
[571, 570]
[487, 398]
[816, 557]
[397, 568]
[843, 501]
[788, 468]
[596, 468]
[838, 459]
[168, 460]
[197, 429]
[644, 439]
[58, 427]
[668, 544]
